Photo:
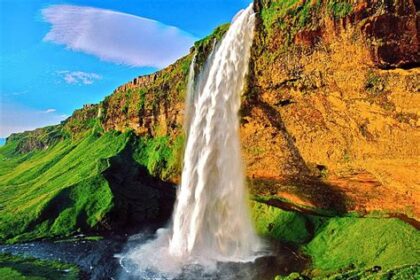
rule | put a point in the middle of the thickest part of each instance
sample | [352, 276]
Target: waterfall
[211, 216]
[211, 222]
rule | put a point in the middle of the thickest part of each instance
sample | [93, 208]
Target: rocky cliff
[330, 115]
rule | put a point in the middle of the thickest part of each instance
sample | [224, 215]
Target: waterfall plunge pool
[98, 260]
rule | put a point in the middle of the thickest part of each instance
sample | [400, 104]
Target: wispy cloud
[114, 36]
[79, 77]
[50, 111]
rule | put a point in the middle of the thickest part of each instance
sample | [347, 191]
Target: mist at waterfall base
[211, 223]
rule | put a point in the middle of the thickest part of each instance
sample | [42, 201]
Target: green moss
[204, 46]
[18, 268]
[81, 122]
[274, 11]
[292, 276]
[278, 224]
[406, 272]
[142, 99]
[374, 83]
[8, 273]
[339, 9]
[266, 199]
[184, 66]
[217, 34]
[288, 15]
[161, 155]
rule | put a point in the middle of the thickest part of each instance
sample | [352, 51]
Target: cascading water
[211, 221]
[211, 217]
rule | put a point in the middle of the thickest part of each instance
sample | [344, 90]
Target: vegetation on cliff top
[290, 15]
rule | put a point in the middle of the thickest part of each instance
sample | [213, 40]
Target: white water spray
[211, 222]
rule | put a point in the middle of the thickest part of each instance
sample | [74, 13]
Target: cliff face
[331, 116]
[149, 105]
[331, 113]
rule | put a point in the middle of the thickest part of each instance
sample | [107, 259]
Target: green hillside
[56, 191]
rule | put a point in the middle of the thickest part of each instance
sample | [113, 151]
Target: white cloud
[50, 111]
[79, 77]
[114, 36]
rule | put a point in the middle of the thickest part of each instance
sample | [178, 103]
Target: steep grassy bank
[344, 247]
[56, 191]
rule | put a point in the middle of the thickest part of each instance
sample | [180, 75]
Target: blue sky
[58, 55]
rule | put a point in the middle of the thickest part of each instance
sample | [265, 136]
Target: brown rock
[393, 36]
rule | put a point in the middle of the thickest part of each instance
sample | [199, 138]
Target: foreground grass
[18, 268]
[345, 247]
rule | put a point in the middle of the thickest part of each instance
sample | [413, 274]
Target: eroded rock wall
[332, 109]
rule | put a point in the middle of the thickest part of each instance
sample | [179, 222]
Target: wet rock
[393, 35]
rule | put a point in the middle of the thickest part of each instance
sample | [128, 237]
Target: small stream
[98, 261]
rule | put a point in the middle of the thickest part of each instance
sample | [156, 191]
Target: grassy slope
[274, 223]
[349, 245]
[18, 268]
[45, 192]
[363, 242]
